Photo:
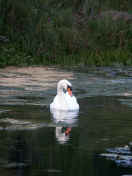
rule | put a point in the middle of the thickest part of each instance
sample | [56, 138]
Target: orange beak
[69, 91]
[68, 130]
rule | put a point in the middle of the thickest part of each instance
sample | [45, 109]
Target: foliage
[64, 32]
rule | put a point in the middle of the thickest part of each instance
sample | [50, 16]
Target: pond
[33, 143]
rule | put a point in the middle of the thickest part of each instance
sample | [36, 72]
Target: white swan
[66, 118]
[64, 100]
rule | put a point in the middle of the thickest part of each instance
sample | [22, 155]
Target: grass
[12, 56]
[62, 33]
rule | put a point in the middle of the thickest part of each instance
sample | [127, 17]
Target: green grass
[56, 32]
[10, 55]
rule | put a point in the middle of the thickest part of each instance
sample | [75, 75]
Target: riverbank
[10, 55]
[65, 33]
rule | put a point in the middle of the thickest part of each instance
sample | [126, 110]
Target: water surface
[33, 143]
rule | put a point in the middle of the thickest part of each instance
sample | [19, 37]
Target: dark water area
[32, 143]
[96, 142]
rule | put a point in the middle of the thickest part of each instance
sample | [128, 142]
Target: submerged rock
[122, 156]
[120, 150]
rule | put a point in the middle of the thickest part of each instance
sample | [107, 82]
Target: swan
[64, 100]
[67, 118]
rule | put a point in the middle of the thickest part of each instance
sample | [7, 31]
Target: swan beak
[68, 130]
[69, 91]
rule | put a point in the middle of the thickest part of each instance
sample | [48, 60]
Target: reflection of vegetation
[65, 32]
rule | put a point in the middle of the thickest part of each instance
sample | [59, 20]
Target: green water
[30, 146]
[33, 143]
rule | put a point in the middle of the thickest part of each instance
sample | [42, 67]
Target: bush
[60, 31]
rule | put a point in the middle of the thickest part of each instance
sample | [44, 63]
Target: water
[32, 146]
[33, 143]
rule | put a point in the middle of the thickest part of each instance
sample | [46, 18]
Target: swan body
[64, 100]
[67, 118]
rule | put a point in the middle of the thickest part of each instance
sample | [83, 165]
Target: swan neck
[59, 91]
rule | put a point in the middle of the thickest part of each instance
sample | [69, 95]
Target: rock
[120, 150]
[122, 156]
[3, 39]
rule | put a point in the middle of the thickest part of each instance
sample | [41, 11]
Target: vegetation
[65, 32]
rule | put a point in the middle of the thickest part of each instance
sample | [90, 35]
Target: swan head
[64, 86]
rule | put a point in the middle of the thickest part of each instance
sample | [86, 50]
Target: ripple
[33, 84]
[13, 124]
[122, 156]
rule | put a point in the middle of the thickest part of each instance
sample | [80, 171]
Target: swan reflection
[62, 134]
[64, 121]
[66, 117]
